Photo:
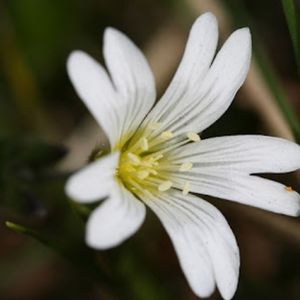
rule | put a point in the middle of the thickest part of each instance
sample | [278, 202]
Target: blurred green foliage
[23, 163]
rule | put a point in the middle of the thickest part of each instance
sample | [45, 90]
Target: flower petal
[203, 240]
[225, 77]
[94, 181]
[115, 220]
[202, 104]
[245, 153]
[96, 91]
[198, 54]
[238, 187]
[131, 76]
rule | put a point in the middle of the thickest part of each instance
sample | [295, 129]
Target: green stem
[240, 17]
[290, 13]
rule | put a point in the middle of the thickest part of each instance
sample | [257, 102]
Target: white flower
[158, 159]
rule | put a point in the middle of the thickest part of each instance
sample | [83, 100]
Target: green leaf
[26, 172]
[293, 25]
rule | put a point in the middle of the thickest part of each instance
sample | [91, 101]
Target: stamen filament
[142, 168]
[154, 125]
[167, 135]
[165, 185]
[186, 188]
[135, 160]
[193, 136]
[144, 144]
[142, 174]
[186, 167]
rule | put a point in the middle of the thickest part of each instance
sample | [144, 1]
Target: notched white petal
[127, 64]
[243, 153]
[203, 241]
[191, 251]
[94, 181]
[115, 220]
[200, 48]
[95, 89]
[221, 168]
[196, 60]
[195, 104]
[225, 76]
[236, 186]
[131, 76]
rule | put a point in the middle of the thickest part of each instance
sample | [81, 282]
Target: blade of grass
[290, 13]
[85, 262]
[278, 92]
[240, 17]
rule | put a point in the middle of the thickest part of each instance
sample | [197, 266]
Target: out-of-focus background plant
[46, 133]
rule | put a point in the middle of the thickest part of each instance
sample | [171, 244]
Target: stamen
[186, 188]
[193, 136]
[154, 125]
[174, 146]
[157, 157]
[289, 189]
[144, 144]
[186, 167]
[142, 174]
[165, 185]
[134, 158]
[142, 169]
[167, 135]
[153, 172]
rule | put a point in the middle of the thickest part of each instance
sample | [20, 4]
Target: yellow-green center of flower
[144, 168]
[141, 171]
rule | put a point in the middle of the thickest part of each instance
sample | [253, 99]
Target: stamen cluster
[142, 169]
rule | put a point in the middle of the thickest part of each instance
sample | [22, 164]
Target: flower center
[145, 167]
[142, 171]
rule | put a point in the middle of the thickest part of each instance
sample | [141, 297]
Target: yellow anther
[193, 136]
[142, 174]
[186, 188]
[165, 185]
[134, 159]
[289, 189]
[153, 172]
[147, 164]
[144, 144]
[154, 125]
[157, 157]
[167, 135]
[185, 167]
